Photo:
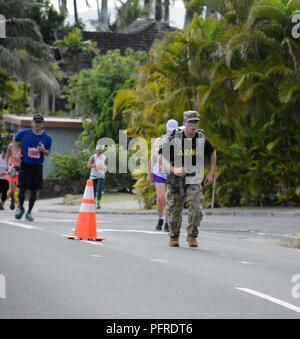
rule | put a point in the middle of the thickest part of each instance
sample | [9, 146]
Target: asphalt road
[238, 271]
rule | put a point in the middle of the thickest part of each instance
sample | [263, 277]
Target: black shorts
[31, 177]
[4, 187]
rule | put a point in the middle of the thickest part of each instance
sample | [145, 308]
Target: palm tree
[75, 11]
[158, 10]
[104, 13]
[167, 11]
[98, 11]
[102, 22]
[237, 9]
[23, 53]
[243, 74]
[162, 10]
[63, 7]
[128, 12]
[190, 9]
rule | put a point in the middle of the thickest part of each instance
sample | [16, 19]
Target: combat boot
[174, 241]
[192, 241]
[167, 227]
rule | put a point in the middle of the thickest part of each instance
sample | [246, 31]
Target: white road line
[131, 231]
[63, 220]
[248, 263]
[16, 224]
[102, 230]
[97, 243]
[269, 298]
[96, 256]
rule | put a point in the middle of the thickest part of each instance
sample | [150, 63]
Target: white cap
[171, 125]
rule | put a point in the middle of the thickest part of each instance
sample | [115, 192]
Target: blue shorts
[159, 180]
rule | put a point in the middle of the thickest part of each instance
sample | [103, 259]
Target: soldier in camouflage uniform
[188, 147]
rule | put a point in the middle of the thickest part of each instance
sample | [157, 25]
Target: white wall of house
[64, 141]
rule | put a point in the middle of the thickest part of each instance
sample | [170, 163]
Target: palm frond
[9, 61]
[269, 10]
[23, 27]
[294, 4]
[19, 8]
[288, 90]
[35, 48]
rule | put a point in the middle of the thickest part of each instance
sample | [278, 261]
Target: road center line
[269, 298]
[16, 224]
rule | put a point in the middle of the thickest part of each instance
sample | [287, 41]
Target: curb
[111, 212]
[207, 212]
[291, 241]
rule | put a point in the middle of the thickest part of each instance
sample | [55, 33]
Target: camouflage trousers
[175, 202]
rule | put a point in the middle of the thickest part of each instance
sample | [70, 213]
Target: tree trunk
[158, 10]
[188, 16]
[75, 11]
[98, 11]
[208, 12]
[104, 13]
[63, 6]
[189, 13]
[167, 11]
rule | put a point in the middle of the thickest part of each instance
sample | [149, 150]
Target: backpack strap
[201, 134]
[178, 134]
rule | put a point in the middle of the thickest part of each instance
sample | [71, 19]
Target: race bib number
[34, 153]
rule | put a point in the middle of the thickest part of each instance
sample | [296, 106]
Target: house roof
[139, 36]
[50, 122]
[142, 24]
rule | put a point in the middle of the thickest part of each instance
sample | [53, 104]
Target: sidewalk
[132, 207]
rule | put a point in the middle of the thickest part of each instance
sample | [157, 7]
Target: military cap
[191, 116]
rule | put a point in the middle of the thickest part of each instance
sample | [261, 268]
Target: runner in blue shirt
[34, 144]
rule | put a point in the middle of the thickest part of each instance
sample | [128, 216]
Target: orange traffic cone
[86, 228]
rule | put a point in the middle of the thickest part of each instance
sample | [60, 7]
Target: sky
[177, 11]
[81, 4]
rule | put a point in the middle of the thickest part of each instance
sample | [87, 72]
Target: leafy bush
[145, 193]
[72, 169]
[73, 43]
